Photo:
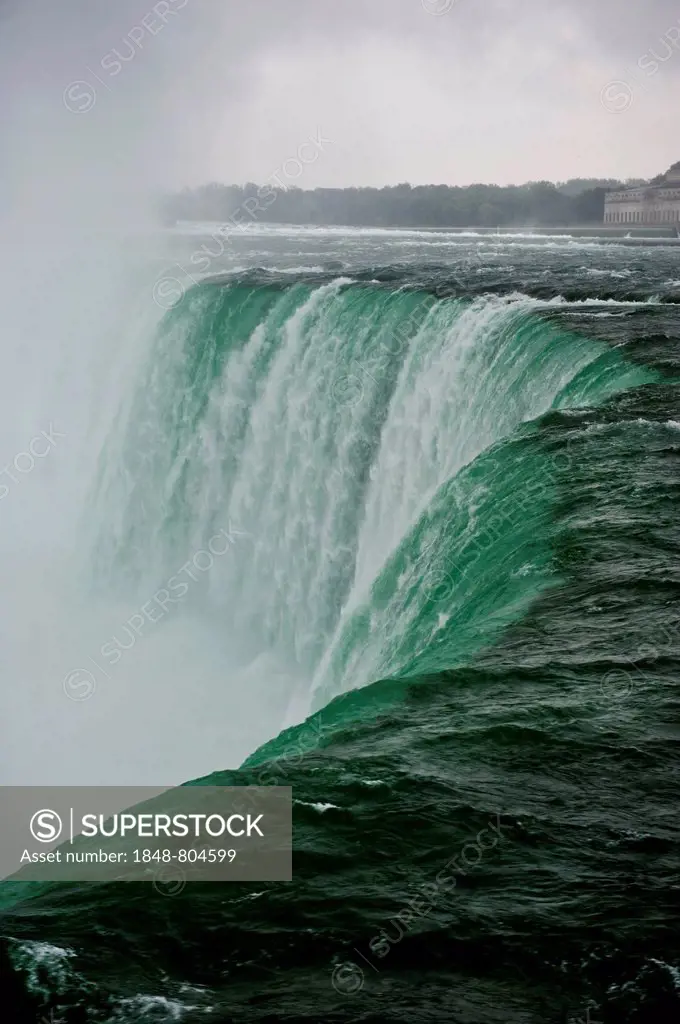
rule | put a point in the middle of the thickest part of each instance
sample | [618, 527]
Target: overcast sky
[426, 91]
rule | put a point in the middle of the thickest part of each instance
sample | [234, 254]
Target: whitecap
[321, 808]
[152, 1008]
[40, 962]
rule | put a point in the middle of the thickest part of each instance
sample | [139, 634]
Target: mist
[84, 160]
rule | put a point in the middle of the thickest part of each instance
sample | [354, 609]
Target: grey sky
[491, 90]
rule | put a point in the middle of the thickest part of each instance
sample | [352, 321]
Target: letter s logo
[46, 826]
[79, 97]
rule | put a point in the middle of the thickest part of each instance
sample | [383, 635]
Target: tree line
[579, 201]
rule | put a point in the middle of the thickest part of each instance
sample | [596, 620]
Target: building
[656, 205]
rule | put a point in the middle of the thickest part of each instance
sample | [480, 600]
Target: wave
[465, 279]
[200, 228]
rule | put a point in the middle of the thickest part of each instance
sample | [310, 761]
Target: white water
[324, 439]
[357, 420]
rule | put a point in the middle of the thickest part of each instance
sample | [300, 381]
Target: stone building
[646, 204]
